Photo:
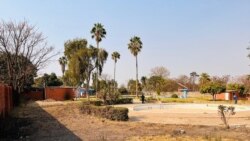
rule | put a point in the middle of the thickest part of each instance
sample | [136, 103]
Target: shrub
[96, 102]
[117, 113]
[174, 96]
[120, 101]
[225, 113]
[151, 99]
[108, 112]
[170, 100]
[93, 102]
[122, 90]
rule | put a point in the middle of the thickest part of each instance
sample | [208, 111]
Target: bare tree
[25, 51]
[160, 71]
[225, 113]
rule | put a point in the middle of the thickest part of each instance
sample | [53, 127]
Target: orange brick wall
[221, 96]
[58, 93]
[6, 103]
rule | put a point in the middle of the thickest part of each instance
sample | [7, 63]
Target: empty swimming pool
[188, 107]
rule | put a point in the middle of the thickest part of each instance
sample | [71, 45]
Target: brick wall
[222, 96]
[6, 104]
[59, 93]
[34, 95]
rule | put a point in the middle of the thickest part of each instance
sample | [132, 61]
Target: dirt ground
[52, 121]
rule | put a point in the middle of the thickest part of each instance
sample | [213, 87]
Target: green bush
[178, 100]
[93, 102]
[120, 101]
[174, 96]
[151, 99]
[96, 102]
[108, 112]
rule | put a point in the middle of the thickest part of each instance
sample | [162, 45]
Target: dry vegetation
[65, 122]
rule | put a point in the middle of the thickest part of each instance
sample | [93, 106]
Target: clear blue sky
[182, 35]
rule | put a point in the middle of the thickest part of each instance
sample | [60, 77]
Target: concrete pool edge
[187, 106]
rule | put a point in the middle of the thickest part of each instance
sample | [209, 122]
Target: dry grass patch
[178, 138]
[66, 122]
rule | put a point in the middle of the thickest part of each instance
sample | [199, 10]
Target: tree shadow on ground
[34, 123]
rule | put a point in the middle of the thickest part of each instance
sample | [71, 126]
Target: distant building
[228, 95]
[82, 92]
[184, 89]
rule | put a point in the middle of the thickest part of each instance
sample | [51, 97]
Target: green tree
[170, 85]
[236, 87]
[48, 80]
[156, 83]
[53, 80]
[103, 55]
[135, 46]
[132, 86]
[144, 82]
[107, 92]
[72, 46]
[82, 62]
[91, 63]
[123, 90]
[245, 81]
[204, 79]
[63, 63]
[213, 88]
[98, 33]
[115, 57]
[29, 78]
[74, 75]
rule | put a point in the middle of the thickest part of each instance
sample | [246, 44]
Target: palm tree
[204, 78]
[102, 55]
[63, 62]
[193, 76]
[135, 47]
[98, 32]
[115, 57]
[143, 81]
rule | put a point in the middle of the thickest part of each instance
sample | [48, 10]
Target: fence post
[6, 104]
[1, 102]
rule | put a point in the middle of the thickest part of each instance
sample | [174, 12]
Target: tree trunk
[114, 76]
[136, 85]
[224, 119]
[214, 97]
[16, 97]
[97, 69]
[87, 87]
[87, 90]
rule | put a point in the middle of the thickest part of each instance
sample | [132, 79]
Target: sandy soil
[58, 121]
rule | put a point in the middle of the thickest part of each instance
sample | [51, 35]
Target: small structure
[184, 89]
[82, 92]
[228, 95]
[184, 93]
